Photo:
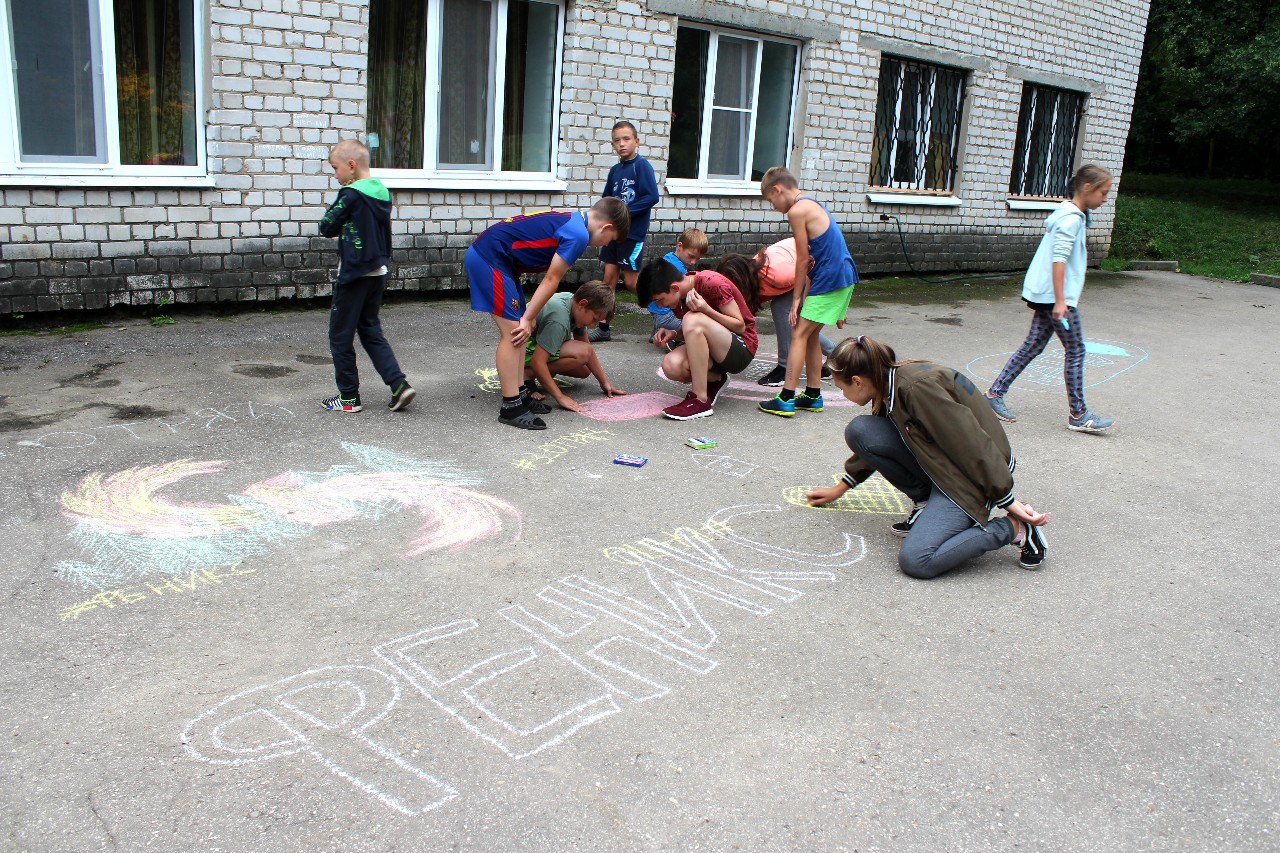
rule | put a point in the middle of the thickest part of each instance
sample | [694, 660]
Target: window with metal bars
[1045, 152]
[917, 136]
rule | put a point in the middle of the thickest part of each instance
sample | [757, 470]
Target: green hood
[371, 187]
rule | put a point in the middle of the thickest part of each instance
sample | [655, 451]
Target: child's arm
[646, 188]
[1059, 291]
[546, 289]
[798, 219]
[539, 364]
[597, 370]
[726, 315]
[337, 214]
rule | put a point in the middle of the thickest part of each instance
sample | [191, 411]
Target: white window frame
[705, 184]
[434, 176]
[48, 171]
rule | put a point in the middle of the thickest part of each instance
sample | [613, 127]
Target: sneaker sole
[705, 414]
[816, 411]
[526, 420]
[1033, 566]
[357, 410]
[779, 414]
[777, 384]
[1091, 430]
[406, 397]
[901, 534]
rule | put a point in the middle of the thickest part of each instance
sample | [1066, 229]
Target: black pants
[355, 312]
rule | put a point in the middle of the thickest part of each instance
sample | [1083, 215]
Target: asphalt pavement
[235, 621]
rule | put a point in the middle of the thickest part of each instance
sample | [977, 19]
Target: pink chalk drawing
[743, 386]
[132, 531]
[631, 407]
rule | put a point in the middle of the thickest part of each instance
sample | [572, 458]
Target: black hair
[656, 277]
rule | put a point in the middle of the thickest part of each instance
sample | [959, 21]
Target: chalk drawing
[132, 531]
[873, 495]
[586, 649]
[150, 428]
[326, 714]
[631, 407]
[550, 451]
[743, 386]
[489, 380]
[1103, 361]
[113, 598]
[726, 465]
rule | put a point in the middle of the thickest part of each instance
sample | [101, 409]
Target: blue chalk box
[628, 459]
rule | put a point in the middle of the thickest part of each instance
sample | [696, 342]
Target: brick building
[175, 149]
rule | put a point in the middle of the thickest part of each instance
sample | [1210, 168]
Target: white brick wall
[286, 81]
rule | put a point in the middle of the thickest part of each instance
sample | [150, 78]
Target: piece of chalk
[1065, 324]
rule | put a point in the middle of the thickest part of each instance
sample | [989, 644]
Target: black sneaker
[401, 397]
[774, 378]
[826, 373]
[902, 528]
[1034, 549]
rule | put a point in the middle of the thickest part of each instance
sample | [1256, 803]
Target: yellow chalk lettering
[130, 597]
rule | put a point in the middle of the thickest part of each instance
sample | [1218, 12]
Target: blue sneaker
[1002, 411]
[1090, 423]
[780, 407]
[809, 404]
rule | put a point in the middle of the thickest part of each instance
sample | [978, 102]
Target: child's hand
[609, 391]
[794, 316]
[662, 337]
[520, 334]
[568, 404]
[695, 302]
[824, 495]
[1025, 513]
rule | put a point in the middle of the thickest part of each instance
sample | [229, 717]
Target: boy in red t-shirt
[718, 329]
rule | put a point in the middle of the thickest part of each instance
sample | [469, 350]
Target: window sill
[107, 180]
[684, 186]
[491, 183]
[924, 199]
[1034, 203]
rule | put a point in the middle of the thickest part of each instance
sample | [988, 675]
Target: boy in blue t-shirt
[632, 180]
[548, 242]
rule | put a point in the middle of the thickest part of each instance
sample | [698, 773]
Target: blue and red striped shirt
[529, 242]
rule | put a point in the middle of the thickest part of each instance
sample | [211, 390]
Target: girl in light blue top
[1052, 289]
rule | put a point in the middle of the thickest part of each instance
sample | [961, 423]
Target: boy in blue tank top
[825, 276]
[547, 242]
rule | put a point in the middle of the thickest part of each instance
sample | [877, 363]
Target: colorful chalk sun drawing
[874, 495]
[133, 531]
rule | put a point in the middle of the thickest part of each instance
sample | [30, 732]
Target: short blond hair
[778, 176]
[351, 149]
[695, 239]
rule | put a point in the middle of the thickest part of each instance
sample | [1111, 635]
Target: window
[731, 105]
[917, 136]
[100, 86]
[464, 87]
[1045, 152]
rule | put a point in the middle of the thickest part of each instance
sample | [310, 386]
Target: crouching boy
[559, 344]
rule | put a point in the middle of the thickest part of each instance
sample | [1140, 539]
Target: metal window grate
[917, 137]
[1045, 151]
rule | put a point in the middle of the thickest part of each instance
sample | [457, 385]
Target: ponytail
[1089, 175]
[866, 357]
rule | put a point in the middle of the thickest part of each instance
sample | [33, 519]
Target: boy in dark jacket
[632, 180]
[361, 220]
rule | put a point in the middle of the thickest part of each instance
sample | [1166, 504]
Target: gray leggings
[1043, 328]
[944, 536]
[780, 307]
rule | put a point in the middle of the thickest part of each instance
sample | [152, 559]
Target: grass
[1216, 228]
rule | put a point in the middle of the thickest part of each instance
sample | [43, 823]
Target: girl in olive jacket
[934, 438]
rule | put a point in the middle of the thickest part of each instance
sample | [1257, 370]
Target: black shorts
[628, 254]
[735, 360]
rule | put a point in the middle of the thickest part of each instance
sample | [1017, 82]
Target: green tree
[1208, 98]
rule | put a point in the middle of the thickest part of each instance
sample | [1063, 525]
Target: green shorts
[827, 308]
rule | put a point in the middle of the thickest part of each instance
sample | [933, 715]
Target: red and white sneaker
[689, 409]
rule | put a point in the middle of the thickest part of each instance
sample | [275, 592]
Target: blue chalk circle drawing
[1103, 361]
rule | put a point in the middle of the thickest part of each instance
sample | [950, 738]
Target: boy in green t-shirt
[559, 342]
